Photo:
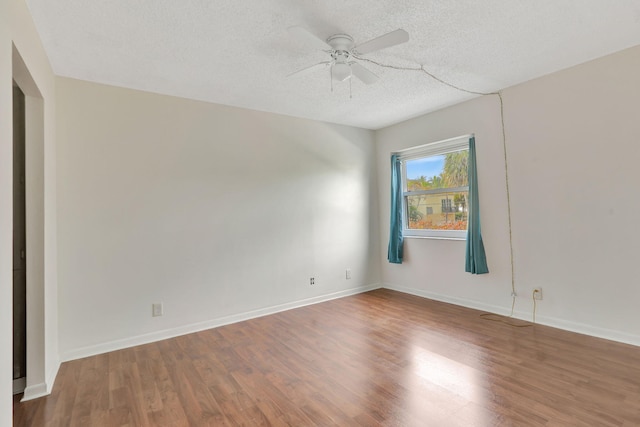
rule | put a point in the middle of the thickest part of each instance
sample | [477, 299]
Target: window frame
[422, 151]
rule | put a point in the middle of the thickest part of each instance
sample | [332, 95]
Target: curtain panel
[396, 240]
[475, 257]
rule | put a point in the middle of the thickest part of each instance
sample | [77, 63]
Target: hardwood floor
[379, 358]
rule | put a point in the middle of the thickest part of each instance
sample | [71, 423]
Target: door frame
[19, 241]
[36, 381]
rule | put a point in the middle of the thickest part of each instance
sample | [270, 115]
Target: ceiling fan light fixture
[340, 71]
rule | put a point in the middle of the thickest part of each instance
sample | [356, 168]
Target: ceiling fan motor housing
[341, 42]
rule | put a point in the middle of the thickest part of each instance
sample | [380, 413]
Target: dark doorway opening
[19, 243]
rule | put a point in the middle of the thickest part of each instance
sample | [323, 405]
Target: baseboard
[567, 325]
[209, 324]
[451, 300]
[34, 391]
[594, 331]
[42, 389]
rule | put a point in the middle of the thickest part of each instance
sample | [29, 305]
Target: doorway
[19, 244]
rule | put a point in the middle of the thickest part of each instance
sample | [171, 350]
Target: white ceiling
[238, 52]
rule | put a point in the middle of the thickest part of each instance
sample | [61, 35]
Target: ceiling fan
[344, 53]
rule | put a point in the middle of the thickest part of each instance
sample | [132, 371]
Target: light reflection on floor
[431, 371]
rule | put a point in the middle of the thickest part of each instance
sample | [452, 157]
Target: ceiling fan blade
[307, 38]
[310, 69]
[362, 73]
[390, 39]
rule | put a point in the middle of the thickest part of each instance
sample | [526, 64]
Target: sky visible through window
[427, 167]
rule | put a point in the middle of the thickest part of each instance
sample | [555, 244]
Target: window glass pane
[442, 211]
[441, 171]
[424, 173]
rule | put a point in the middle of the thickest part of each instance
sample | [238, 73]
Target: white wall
[220, 213]
[573, 169]
[435, 268]
[18, 39]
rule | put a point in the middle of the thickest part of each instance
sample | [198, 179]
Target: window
[435, 189]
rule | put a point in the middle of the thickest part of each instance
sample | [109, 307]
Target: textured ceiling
[238, 52]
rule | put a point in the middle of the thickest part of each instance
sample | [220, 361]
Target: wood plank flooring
[382, 358]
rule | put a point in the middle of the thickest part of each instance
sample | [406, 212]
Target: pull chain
[331, 79]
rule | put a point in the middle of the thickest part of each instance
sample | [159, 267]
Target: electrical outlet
[312, 281]
[157, 309]
[537, 293]
[348, 273]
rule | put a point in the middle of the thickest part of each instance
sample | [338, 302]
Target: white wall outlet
[312, 281]
[537, 293]
[348, 273]
[157, 309]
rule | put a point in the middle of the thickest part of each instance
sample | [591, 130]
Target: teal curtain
[394, 254]
[476, 259]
